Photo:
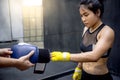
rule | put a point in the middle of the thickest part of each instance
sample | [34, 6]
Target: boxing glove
[40, 55]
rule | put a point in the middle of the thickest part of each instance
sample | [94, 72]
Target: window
[33, 21]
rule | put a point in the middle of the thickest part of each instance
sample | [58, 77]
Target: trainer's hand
[5, 52]
[60, 56]
[77, 74]
[24, 63]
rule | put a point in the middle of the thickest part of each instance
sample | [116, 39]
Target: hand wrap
[77, 74]
[60, 56]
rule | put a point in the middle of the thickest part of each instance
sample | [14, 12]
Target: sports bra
[90, 39]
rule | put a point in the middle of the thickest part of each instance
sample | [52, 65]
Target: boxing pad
[40, 55]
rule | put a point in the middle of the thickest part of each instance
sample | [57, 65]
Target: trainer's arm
[8, 62]
[22, 63]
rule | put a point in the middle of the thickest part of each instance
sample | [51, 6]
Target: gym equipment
[41, 56]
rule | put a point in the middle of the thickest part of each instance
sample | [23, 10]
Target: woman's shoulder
[108, 31]
[84, 30]
[108, 28]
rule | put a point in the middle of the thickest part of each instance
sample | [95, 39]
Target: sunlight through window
[32, 2]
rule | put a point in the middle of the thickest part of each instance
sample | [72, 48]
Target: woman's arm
[105, 41]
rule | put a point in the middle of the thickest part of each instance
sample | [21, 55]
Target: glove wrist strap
[66, 56]
[78, 69]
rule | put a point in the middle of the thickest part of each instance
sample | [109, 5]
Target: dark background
[62, 25]
[63, 29]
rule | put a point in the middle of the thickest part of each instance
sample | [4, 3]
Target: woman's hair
[93, 5]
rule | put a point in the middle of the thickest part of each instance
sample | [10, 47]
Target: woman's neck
[94, 27]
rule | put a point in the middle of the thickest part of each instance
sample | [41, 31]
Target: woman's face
[88, 17]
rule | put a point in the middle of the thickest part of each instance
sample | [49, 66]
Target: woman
[96, 44]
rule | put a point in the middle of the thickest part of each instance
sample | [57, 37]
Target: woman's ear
[98, 12]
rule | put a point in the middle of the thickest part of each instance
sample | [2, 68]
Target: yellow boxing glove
[77, 74]
[60, 56]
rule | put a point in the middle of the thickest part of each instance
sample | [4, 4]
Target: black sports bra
[90, 39]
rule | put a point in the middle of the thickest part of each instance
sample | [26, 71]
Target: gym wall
[112, 18]
[62, 25]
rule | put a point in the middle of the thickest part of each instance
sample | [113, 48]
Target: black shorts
[86, 76]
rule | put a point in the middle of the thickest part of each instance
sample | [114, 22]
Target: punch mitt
[22, 49]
